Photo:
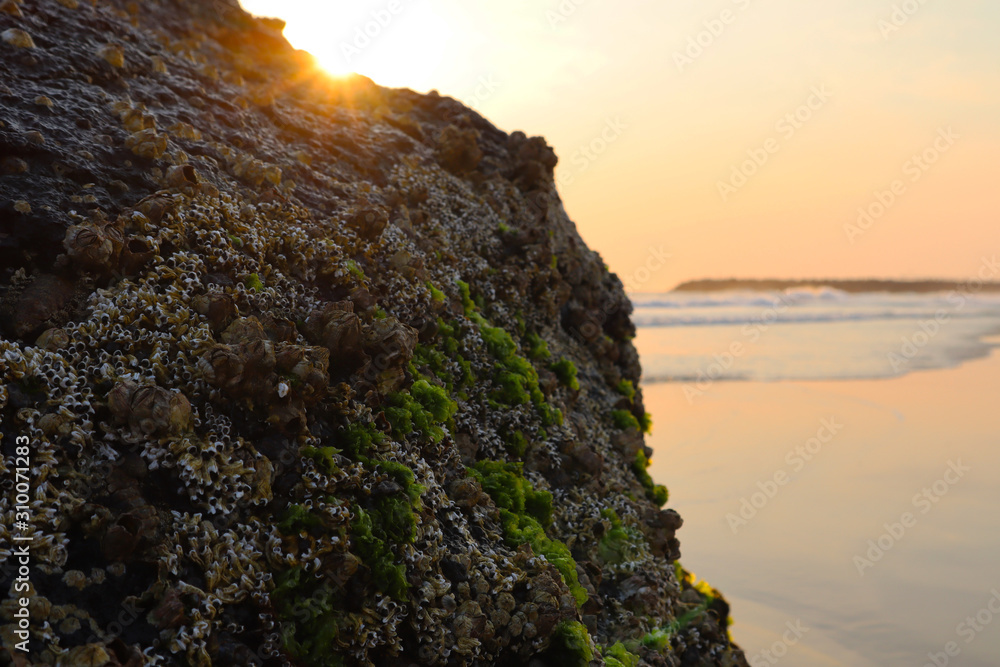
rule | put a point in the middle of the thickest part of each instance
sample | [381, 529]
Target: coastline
[790, 562]
[851, 286]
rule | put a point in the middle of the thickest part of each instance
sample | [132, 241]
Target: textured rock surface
[313, 372]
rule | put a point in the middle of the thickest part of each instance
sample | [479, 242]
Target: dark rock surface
[310, 371]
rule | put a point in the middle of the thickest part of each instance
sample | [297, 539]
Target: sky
[720, 138]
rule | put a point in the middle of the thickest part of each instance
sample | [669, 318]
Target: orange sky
[655, 109]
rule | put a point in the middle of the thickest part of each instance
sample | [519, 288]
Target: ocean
[836, 458]
[809, 334]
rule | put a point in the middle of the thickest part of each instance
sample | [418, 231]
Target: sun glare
[392, 42]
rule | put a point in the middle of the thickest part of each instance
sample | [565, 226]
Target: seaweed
[524, 513]
[621, 543]
[565, 370]
[571, 645]
[655, 492]
[422, 409]
[624, 420]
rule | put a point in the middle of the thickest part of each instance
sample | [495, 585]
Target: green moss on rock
[297, 518]
[359, 438]
[621, 543]
[436, 294]
[538, 348]
[626, 389]
[655, 492]
[371, 541]
[571, 645]
[646, 423]
[624, 420]
[523, 513]
[515, 377]
[254, 282]
[311, 619]
[422, 409]
[619, 656]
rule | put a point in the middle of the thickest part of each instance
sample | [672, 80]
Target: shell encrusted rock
[312, 372]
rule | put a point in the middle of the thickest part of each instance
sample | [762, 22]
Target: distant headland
[851, 286]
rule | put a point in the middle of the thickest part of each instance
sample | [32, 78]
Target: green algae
[423, 409]
[516, 379]
[538, 348]
[524, 513]
[655, 492]
[619, 656]
[517, 444]
[436, 294]
[646, 423]
[470, 307]
[296, 519]
[624, 420]
[659, 639]
[621, 543]
[371, 542]
[403, 476]
[626, 389]
[571, 645]
[254, 282]
[359, 438]
[312, 618]
[323, 457]
[566, 371]
[388, 522]
[355, 270]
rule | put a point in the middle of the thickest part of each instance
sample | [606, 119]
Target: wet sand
[911, 464]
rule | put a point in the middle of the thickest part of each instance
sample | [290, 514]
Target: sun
[393, 42]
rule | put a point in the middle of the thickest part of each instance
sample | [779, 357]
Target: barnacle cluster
[312, 372]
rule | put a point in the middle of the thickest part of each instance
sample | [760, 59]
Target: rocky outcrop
[307, 371]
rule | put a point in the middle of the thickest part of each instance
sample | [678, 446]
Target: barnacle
[150, 409]
[13, 165]
[18, 38]
[113, 54]
[96, 244]
[183, 130]
[368, 220]
[338, 329]
[241, 369]
[155, 206]
[136, 119]
[147, 143]
[10, 7]
[218, 307]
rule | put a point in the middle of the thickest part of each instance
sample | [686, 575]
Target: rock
[280, 340]
[662, 527]
[458, 149]
[42, 303]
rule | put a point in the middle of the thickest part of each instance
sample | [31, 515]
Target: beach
[862, 510]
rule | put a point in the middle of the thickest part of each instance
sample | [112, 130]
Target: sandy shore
[866, 511]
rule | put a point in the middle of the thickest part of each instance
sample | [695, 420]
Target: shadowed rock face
[312, 372]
